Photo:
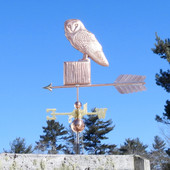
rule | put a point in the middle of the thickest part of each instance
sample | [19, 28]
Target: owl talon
[84, 59]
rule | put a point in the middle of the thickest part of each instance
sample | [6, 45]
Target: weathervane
[78, 74]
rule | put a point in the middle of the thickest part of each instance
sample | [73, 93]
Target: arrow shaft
[95, 85]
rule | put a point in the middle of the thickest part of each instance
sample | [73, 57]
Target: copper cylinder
[78, 125]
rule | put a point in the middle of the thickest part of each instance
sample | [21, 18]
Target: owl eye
[69, 26]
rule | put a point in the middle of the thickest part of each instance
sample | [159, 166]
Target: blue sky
[33, 48]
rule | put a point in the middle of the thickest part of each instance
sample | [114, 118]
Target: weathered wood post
[77, 73]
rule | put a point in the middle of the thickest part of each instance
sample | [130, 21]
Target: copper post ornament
[77, 74]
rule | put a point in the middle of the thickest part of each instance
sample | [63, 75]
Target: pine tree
[162, 48]
[133, 146]
[95, 132]
[158, 157]
[18, 145]
[55, 134]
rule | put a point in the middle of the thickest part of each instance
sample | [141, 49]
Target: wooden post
[77, 72]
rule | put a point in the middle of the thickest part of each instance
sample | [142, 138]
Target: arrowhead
[49, 87]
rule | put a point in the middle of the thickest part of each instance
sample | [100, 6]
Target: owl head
[73, 25]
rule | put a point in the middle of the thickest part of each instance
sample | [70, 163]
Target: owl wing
[87, 43]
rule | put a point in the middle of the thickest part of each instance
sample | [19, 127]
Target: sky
[33, 49]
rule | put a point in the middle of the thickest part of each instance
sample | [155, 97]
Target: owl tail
[100, 58]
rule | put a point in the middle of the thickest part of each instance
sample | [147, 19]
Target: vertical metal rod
[77, 133]
[77, 143]
[77, 93]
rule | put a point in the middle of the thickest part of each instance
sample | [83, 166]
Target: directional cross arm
[100, 112]
[53, 114]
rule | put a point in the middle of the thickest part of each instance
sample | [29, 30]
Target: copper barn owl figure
[84, 41]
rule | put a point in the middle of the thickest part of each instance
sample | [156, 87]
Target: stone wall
[72, 162]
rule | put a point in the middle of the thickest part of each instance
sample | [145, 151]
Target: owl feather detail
[84, 41]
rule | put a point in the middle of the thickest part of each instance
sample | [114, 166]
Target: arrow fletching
[129, 83]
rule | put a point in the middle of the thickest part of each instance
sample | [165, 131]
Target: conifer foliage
[95, 132]
[166, 115]
[133, 146]
[51, 141]
[158, 157]
[18, 145]
[162, 48]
